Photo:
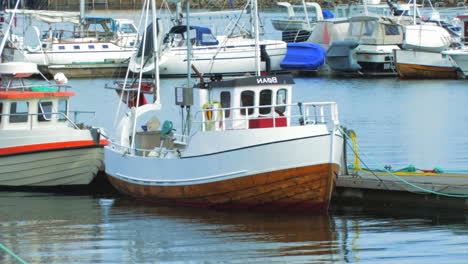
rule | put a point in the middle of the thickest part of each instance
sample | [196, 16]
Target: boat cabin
[374, 30]
[26, 107]
[122, 31]
[200, 36]
[33, 109]
[254, 102]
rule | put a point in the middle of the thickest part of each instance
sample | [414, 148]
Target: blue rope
[409, 183]
[12, 254]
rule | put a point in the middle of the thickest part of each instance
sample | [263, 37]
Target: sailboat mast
[189, 45]
[155, 53]
[7, 31]
[257, 36]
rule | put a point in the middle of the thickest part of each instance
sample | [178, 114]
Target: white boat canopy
[47, 16]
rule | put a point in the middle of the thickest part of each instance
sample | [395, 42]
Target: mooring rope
[7, 250]
[355, 147]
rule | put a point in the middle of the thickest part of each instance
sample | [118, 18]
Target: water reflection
[204, 235]
[83, 228]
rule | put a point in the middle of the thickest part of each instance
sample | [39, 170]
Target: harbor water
[398, 123]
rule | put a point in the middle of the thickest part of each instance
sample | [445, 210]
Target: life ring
[213, 117]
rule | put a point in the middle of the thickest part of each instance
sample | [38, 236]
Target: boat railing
[27, 118]
[249, 117]
[153, 144]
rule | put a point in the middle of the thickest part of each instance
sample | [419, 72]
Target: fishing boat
[94, 47]
[243, 145]
[39, 144]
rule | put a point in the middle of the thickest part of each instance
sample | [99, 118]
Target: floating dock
[432, 190]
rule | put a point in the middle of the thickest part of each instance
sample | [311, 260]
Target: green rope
[409, 183]
[12, 254]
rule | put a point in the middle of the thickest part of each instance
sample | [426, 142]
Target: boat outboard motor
[341, 56]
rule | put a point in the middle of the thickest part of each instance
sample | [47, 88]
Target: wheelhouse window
[44, 110]
[247, 99]
[392, 30]
[226, 102]
[355, 29]
[281, 99]
[369, 27]
[265, 99]
[62, 109]
[19, 112]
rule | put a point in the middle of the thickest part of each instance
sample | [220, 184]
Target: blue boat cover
[108, 20]
[327, 14]
[203, 34]
[303, 56]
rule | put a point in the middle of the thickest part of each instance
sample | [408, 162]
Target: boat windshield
[362, 28]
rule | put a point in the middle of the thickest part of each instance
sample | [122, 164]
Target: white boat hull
[49, 157]
[461, 59]
[75, 62]
[51, 168]
[238, 169]
[421, 64]
[234, 58]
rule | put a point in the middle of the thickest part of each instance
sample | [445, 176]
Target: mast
[82, 14]
[189, 45]
[7, 31]
[257, 36]
[157, 100]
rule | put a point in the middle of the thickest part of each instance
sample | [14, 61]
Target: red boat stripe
[51, 146]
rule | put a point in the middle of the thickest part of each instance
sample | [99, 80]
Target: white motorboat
[368, 46]
[39, 143]
[94, 47]
[244, 144]
[460, 56]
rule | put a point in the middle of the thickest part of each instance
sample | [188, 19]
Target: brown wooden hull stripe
[305, 188]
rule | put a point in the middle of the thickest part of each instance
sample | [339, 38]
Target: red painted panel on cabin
[268, 122]
[27, 94]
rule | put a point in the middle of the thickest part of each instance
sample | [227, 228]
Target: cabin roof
[28, 94]
[254, 81]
